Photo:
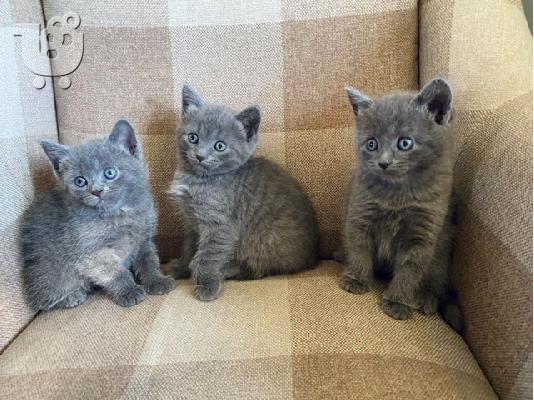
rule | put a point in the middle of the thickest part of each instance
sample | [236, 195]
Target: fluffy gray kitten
[244, 217]
[398, 222]
[95, 229]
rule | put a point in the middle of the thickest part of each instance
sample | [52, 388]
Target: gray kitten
[245, 217]
[398, 222]
[95, 229]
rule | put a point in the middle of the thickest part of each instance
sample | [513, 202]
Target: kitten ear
[436, 97]
[358, 100]
[190, 99]
[56, 153]
[123, 136]
[250, 118]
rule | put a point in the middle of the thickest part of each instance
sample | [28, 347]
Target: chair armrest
[27, 116]
[484, 48]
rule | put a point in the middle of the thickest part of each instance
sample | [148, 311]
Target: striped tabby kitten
[399, 216]
[245, 217]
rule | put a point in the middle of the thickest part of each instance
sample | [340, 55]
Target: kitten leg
[216, 248]
[409, 270]
[339, 255]
[358, 272]
[179, 268]
[435, 284]
[146, 269]
[105, 269]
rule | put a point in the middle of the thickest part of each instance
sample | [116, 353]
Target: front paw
[353, 285]
[72, 300]
[396, 310]
[428, 304]
[208, 291]
[160, 285]
[130, 296]
[179, 190]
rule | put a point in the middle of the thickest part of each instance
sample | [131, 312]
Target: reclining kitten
[398, 220]
[244, 217]
[95, 229]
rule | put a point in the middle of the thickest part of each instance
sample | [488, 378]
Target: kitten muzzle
[384, 164]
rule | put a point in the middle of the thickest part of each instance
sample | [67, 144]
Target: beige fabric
[488, 61]
[296, 337]
[26, 116]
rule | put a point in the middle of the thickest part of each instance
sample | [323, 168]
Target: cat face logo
[55, 51]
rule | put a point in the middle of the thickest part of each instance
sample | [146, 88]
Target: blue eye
[220, 146]
[193, 138]
[80, 181]
[110, 173]
[372, 144]
[405, 143]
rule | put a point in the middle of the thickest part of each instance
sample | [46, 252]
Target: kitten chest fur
[394, 219]
[214, 199]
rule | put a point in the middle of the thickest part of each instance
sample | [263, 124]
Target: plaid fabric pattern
[27, 116]
[489, 63]
[297, 337]
[300, 336]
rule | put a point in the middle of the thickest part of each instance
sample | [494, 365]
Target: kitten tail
[450, 310]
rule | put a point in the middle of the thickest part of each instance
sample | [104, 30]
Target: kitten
[95, 229]
[245, 217]
[398, 220]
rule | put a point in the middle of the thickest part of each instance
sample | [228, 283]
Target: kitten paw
[396, 310]
[353, 286]
[72, 300]
[208, 292]
[428, 304]
[160, 285]
[130, 297]
[179, 190]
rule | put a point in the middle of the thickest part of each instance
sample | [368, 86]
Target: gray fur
[398, 221]
[76, 239]
[244, 217]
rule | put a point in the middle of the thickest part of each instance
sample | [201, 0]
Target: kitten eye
[372, 144]
[80, 181]
[110, 173]
[193, 138]
[220, 146]
[405, 143]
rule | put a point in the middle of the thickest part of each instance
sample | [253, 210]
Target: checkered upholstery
[26, 116]
[297, 337]
[301, 336]
[489, 64]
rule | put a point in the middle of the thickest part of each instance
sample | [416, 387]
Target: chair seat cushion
[284, 337]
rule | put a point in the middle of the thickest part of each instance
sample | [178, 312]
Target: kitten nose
[96, 193]
[200, 158]
[384, 164]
